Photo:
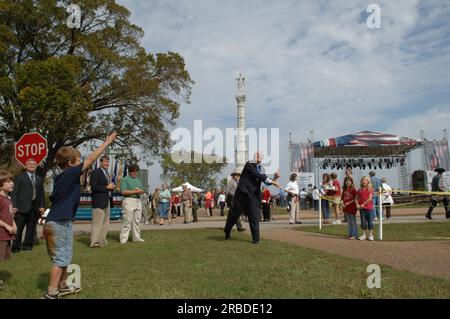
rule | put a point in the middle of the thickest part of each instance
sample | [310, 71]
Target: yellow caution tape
[421, 192]
[328, 198]
[401, 191]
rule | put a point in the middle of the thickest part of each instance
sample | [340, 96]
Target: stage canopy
[194, 189]
[365, 144]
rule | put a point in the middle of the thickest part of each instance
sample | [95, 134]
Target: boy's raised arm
[96, 154]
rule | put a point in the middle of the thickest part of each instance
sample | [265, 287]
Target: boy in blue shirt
[58, 227]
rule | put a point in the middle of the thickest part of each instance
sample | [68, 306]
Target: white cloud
[432, 121]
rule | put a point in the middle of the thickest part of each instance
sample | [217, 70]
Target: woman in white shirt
[221, 201]
[386, 197]
[293, 195]
[325, 189]
[316, 198]
[303, 196]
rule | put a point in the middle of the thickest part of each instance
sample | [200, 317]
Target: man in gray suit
[229, 194]
[28, 204]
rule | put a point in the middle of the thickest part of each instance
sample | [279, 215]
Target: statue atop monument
[241, 83]
[241, 147]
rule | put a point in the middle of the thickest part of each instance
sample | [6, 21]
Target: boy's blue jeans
[59, 239]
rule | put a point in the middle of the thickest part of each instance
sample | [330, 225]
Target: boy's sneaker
[363, 237]
[371, 238]
[49, 296]
[69, 290]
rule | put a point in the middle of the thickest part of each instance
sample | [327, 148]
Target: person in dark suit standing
[437, 185]
[101, 188]
[28, 203]
[247, 196]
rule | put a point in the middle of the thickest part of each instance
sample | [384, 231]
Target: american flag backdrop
[436, 155]
[366, 138]
[302, 157]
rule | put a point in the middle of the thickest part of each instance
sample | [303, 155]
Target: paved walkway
[425, 257]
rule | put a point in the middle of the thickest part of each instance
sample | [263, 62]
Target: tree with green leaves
[75, 85]
[202, 175]
[223, 183]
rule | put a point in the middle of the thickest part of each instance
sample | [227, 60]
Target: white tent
[192, 188]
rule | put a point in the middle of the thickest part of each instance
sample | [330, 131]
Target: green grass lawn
[281, 211]
[424, 206]
[394, 232]
[201, 264]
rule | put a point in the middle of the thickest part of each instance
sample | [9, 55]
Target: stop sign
[31, 145]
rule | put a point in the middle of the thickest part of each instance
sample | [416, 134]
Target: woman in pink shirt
[349, 207]
[364, 202]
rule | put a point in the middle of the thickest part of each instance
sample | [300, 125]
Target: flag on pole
[302, 155]
[125, 170]
[110, 168]
[119, 176]
[83, 177]
[114, 174]
[436, 155]
[87, 180]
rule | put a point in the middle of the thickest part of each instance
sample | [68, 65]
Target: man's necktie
[258, 168]
[33, 182]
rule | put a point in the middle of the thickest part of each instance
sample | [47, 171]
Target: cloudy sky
[309, 64]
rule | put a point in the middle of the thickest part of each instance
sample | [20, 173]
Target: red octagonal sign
[31, 145]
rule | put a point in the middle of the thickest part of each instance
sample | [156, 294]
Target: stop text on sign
[30, 150]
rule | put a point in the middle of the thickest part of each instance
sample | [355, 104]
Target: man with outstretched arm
[247, 196]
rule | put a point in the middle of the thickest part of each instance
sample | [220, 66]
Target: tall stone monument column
[241, 149]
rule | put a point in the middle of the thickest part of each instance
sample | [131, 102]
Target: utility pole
[422, 153]
[290, 152]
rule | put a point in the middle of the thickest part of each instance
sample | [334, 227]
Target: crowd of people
[167, 205]
[362, 196]
[342, 201]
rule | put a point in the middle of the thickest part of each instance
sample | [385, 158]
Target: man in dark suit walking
[247, 196]
[28, 203]
[437, 185]
[101, 188]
